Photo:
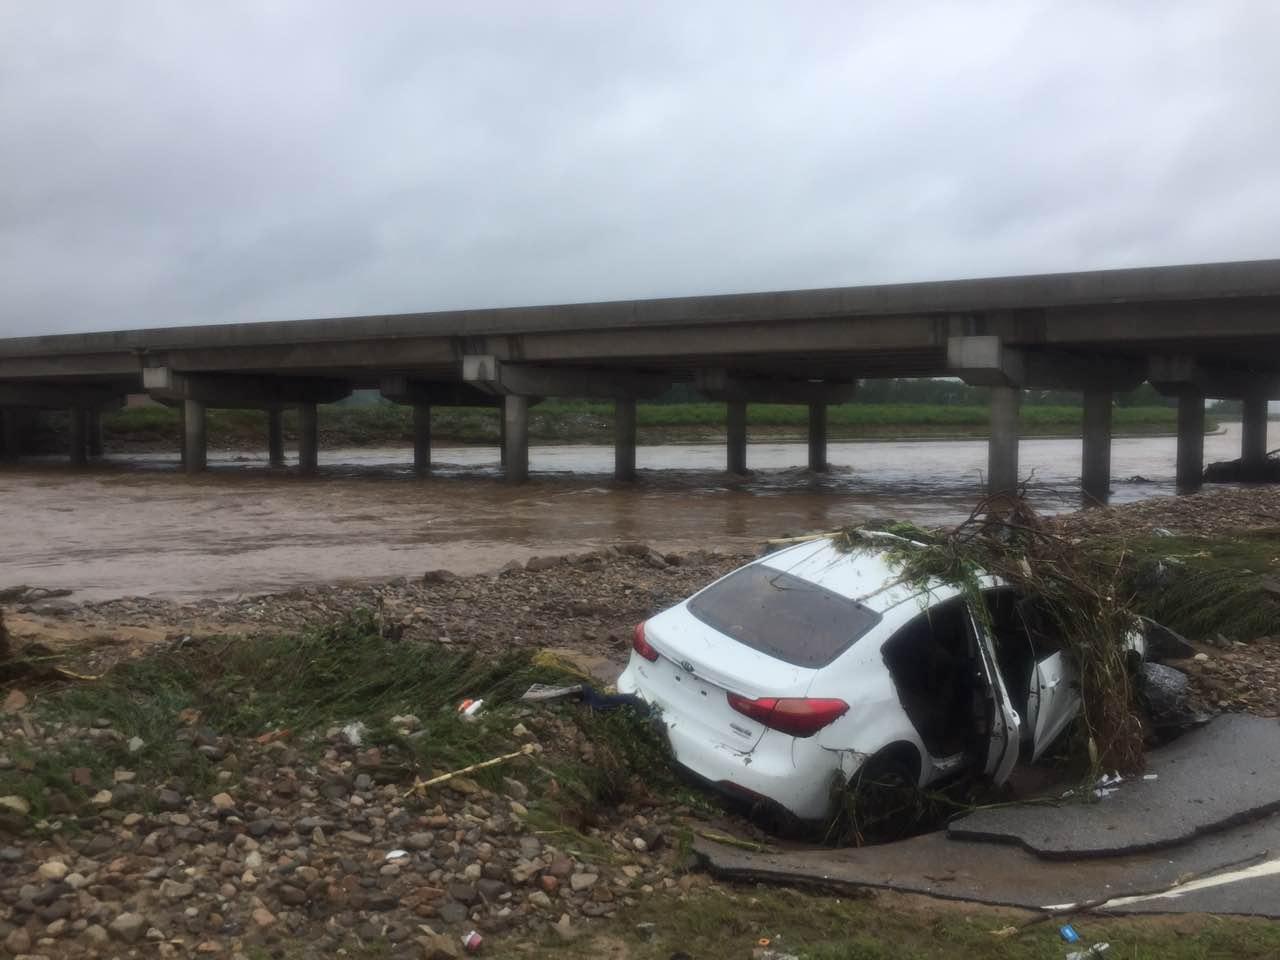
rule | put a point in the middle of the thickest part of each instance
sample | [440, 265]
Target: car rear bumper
[793, 773]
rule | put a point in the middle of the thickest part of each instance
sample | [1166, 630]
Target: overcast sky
[187, 162]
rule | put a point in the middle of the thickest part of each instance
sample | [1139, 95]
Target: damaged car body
[815, 665]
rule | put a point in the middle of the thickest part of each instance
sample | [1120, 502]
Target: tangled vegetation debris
[1081, 592]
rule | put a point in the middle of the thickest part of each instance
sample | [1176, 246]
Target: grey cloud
[189, 163]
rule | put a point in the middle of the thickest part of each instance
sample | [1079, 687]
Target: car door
[1054, 698]
[1004, 724]
[1058, 700]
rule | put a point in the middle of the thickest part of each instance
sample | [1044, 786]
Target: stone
[549, 883]
[19, 941]
[540, 900]
[583, 881]
[128, 927]
[135, 744]
[96, 935]
[564, 928]
[223, 802]
[465, 786]
[167, 799]
[102, 798]
[81, 776]
[176, 890]
[14, 702]
[515, 789]
[262, 917]
[52, 870]
[14, 804]
[292, 896]
[420, 841]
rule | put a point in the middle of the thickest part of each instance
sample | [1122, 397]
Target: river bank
[240, 779]
[558, 422]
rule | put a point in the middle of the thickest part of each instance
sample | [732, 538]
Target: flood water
[134, 525]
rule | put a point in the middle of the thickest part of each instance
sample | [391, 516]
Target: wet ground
[134, 525]
[1201, 835]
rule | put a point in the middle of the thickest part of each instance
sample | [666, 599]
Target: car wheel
[882, 803]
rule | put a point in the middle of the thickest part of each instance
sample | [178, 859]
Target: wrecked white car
[812, 666]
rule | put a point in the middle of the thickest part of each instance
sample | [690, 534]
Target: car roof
[862, 573]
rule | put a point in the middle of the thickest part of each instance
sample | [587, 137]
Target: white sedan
[811, 665]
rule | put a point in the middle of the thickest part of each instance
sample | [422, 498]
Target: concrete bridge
[1196, 332]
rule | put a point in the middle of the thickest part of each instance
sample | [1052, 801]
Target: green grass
[729, 922]
[1204, 587]
[310, 681]
[569, 421]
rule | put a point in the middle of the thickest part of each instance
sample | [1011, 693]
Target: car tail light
[797, 716]
[641, 646]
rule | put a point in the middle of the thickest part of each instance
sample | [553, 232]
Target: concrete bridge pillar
[9, 442]
[1002, 448]
[422, 439]
[275, 437]
[736, 430]
[502, 437]
[624, 439]
[1190, 472]
[818, 437]
[515, 440]
[93, 427]
[195, 447]
[308, 439]
[1095, 468]
[78, 433]
[1253, 439]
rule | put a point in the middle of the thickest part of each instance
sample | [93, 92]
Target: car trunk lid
[696, 670]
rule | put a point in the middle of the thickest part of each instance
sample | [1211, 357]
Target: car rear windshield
[788, 618]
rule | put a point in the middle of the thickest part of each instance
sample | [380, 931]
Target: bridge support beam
[422, 439]
[1002, 448]
[308, 439]
[515, 422]
[736, 437]
[624, 440]
[1253, 438]
[78, 435]
[1190, 471]
[818, 437]
[275, 437]
[195, 450]
[9, 440]
[1095, 469]
[93, 427]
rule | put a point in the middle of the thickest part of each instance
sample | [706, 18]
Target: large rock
[128, 927]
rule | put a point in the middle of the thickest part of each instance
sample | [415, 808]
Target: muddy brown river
[134, 525]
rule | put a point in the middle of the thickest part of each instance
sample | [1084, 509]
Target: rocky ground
[304, 843]
[315, 845]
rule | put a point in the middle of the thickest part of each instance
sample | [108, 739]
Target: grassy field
[574, 421]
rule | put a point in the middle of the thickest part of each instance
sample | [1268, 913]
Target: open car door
[1004, 726]
[1054, 697]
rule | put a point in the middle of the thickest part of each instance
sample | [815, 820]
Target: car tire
[883, 800]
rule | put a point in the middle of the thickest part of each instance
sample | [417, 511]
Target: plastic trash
[470, 709]
[1069, 933]
[543, 691]
[472, 941]
[394, 855]
[1097, 950]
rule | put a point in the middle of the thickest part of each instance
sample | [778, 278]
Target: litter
[393, 855]
[354, 732]
[1069, 934]
[420, 786]
[593, 698]
[1151, 776]
[472, 941]
[470, 709]
[1097, 950]
[544, 691]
